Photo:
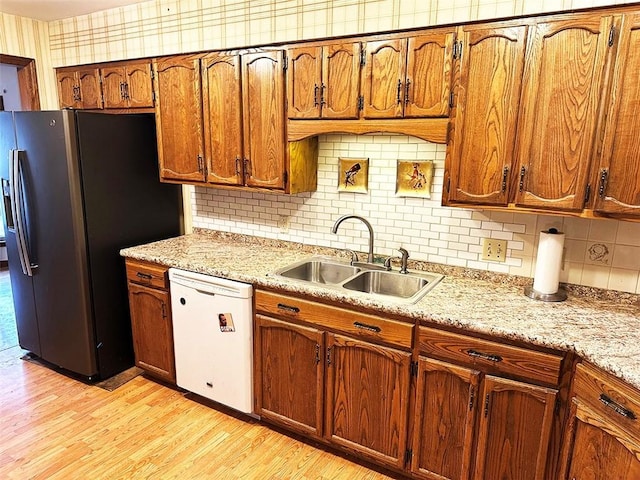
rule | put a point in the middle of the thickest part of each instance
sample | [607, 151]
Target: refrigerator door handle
[17, 190]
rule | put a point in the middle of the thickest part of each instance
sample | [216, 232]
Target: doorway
[18, 91]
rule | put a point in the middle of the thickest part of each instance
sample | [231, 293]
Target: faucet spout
[334, 229]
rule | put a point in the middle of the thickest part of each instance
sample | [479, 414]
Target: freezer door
[21, 284]
[56, 238]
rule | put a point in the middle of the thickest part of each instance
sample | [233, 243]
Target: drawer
[360, 325]
[608, 396]
[145, 273]
[491, 357]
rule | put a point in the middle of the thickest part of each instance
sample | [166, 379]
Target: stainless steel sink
[394, 284]
[319, 271]
[402, 287]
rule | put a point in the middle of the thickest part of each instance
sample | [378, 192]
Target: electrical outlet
[283, 223]
[494, 250]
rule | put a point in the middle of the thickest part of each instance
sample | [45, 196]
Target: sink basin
[401, 285]
[319, 271]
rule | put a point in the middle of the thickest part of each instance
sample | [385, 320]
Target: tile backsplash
[600, 253]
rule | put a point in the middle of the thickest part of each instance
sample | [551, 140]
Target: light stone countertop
[604, 331]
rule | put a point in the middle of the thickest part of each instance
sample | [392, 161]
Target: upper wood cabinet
[323, 81]
[79, 88]
[127, 86]
[489, 63]
[617, 176]
[558, 114]
[179, 118]
[408, 77]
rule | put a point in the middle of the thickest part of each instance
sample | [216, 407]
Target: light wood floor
[53, 427]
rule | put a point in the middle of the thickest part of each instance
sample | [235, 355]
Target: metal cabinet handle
[143, 276]
[323, 89]
[364, 326]
[616, 407]
[602, 188]
[484, 356]
[406, 92]
[317, 354]
[316, 89]
[399, 93]
[288, 308]
[238, 167]
[505, 174]
[523, 170]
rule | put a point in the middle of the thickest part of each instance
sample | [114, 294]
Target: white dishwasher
[212, 335]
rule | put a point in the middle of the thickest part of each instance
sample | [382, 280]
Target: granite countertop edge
[600, 327]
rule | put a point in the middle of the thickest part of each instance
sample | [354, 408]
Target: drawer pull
[369, 328]
[616, 407]
[288, 308]
[144, 276]
[484, 356]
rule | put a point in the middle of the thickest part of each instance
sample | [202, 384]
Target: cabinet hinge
[448, 184]
[413, 368]
[408, 455]
[361, 102]
[285, 177]
[285, 63]
[612, 34]
[556, 407]
[153, 96]
[587, 193]
[363, 57]
[451, 100]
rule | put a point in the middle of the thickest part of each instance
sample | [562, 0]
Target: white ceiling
[48, 10]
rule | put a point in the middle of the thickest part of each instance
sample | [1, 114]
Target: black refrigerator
[76, 188]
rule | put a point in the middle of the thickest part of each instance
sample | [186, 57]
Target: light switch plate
[494, 250]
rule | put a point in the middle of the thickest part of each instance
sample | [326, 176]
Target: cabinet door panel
[340, 80]
[482, 148]
[264, 133]
[428, 81]
[152, 331]
[618, 191]
[222, 118]
[447, 398]
[67, 86]
[600, 450]
[289, 374]
[383, 80]
[179, 118]
[113, 85]
[139, 90]
[90, 88]
[367, 388]
[561, 91]
[304, 82]
[514, 430]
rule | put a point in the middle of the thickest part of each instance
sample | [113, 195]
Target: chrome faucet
[346, 217]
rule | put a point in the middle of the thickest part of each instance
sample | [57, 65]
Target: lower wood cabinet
[603, 436]
[151, 325]
[350, 390]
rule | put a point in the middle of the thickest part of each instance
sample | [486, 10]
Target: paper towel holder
[559, 296]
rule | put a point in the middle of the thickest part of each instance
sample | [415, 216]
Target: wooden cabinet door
[289, 375]
[428, 82]
[90, 88]
[445, 411]
[383, 79]
[152, 331]
[304, 82]
[618, 187]
[366, 399]
[139, 90]
[114, 81]
[179, 118]
[222, 108]
[514, 430]
[483, 141]
[263, 115]
[600, 448]
[558, 115]
[68, 89]
[340, 86]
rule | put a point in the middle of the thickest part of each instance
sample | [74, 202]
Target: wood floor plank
[56, 428]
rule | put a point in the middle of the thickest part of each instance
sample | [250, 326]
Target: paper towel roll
[549, 262]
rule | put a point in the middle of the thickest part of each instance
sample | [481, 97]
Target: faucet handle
[354, 256]
[405, 256]
[387, 263]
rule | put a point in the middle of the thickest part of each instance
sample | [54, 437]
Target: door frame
[27, 80]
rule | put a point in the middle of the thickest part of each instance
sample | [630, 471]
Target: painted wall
[25, 37]
[601, 253]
